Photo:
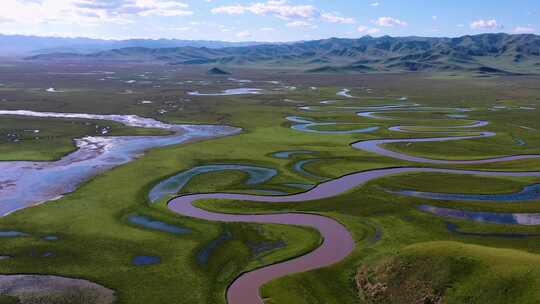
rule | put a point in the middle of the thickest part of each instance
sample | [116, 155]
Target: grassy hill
[466, 274]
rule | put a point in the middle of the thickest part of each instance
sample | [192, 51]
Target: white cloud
[163, 8]
[136, 7]
[226, 29]
[243, 34]
[375, 4]
[368, 30]
[278, 8]
[362, 28]
[524, 29]
[334, 18]
[230, 10]
[181, 29]
[5, 20]
[33, 13]
[389, 22]
[283, 10]
[485, 24]
[87, 12]
[301, 24]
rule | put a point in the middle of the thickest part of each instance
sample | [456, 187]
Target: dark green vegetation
[97, 242]
[486, 54]
[9, 300]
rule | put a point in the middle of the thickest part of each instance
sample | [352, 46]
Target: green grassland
[97, 242]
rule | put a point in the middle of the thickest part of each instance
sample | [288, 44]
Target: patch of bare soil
[47, 289]
[391, 282]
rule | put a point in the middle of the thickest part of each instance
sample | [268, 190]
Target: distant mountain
[13, 45]
[484, 54]
[217, 71]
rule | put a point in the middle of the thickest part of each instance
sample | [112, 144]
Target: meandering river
[23, 184]
[337, 242]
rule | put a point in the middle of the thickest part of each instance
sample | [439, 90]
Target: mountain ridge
[484, 53]
[22, 45]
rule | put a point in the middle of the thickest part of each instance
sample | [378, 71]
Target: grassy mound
[450, 272]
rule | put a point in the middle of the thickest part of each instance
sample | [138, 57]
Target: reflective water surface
[528, 193]
[26, 183]
[174, 184]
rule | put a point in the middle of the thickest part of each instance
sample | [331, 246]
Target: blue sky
[265, 20]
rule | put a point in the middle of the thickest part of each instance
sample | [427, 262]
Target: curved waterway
[229, 92]
[299, 167]
[529, 193]
[305, 125]
[454, 228]
[414, 108]
[345, 93]
[289, 154]
[337, 241]
[173, 185]
[331, 109]
[376, 146]
[27, 183]
[527, 219]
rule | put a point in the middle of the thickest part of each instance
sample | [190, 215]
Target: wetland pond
[153, 224]
[145, 260]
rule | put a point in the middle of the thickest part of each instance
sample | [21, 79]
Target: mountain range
[20, 45]
[484, 53]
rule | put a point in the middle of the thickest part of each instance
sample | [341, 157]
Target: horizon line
[262, 41]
